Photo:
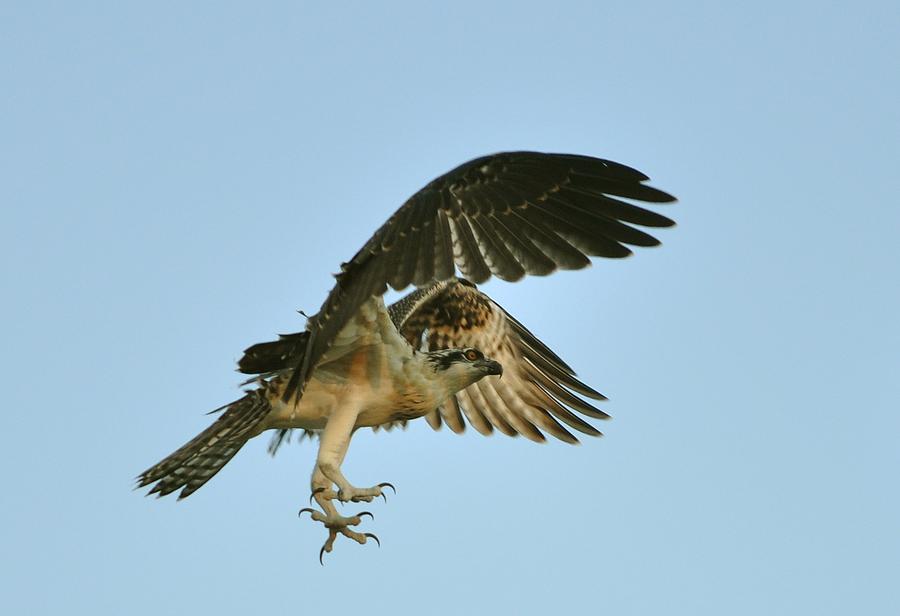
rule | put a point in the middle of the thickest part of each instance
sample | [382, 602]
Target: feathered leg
[333, 445]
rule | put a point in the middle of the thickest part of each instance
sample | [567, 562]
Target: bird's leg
[333, 445]
[323, 491]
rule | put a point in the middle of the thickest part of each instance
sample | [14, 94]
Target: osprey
[439, 352]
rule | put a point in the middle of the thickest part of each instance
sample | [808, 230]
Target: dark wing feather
[268, 358]
[537, 390]
[510, 214]
[444, 265]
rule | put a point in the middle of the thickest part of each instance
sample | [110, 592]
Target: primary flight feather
[440, 351]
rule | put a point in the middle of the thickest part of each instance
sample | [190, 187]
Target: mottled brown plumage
[537, 386]
[440, 351]
[507, 214]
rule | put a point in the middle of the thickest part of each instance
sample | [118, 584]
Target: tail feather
[199, 459]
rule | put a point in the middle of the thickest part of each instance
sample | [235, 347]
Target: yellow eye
[471, 355]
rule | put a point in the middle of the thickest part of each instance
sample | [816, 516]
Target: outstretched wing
[537, 390]
[508, 214]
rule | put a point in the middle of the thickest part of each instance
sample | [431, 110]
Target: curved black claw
[314, 492]
[372, 535]
[321, 554]
[385, 484]
[362, 513]
[311, 511]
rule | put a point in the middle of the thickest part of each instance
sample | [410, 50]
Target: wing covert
[537, 392]
[510, 215]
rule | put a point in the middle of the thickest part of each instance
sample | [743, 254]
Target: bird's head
[459, 368]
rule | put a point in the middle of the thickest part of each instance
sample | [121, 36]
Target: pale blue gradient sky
[176, 180]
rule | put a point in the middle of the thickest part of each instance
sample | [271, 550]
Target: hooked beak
[491, 367]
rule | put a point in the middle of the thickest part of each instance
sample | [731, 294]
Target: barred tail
[205, 455]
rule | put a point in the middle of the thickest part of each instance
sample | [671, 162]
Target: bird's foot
[339, 525]
[356, 495]
[352, 494]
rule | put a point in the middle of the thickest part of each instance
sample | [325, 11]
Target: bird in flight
[446, 351]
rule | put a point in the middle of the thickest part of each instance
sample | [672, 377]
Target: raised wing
[537, 389]
[508, 214]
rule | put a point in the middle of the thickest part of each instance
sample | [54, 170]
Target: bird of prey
[445, 351]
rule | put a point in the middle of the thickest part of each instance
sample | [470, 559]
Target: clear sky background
[176, 179]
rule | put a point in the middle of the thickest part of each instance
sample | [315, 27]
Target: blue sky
[177, 179]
